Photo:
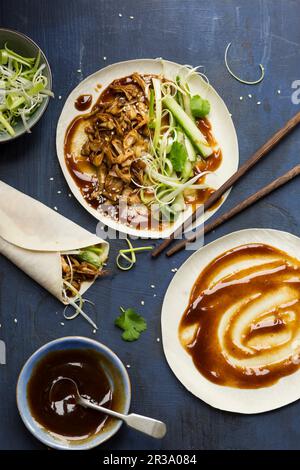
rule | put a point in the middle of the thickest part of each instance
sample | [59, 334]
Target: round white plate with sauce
[219, 117]
[231, 398]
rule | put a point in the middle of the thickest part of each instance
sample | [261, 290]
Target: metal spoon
[149, 426]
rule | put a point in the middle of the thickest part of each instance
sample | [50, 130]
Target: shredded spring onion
[177, 144]
[23, 88]
[174, 183]
[77, 303]
[131, 259]
[246, 82]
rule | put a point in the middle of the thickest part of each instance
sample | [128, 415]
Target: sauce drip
[242, 324]
[83, 102]
[52, 400]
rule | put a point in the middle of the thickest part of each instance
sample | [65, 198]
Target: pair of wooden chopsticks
[261, 152]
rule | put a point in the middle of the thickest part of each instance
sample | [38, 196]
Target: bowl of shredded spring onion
[25, 84]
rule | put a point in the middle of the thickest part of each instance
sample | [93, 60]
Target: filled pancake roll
[60, 255]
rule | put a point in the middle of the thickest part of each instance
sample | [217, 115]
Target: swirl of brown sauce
[242, 324]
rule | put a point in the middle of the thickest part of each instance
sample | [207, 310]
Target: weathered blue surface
[76, 35]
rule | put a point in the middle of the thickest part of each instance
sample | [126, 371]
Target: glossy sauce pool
[242, 324]
[57, 411]
[83, 102]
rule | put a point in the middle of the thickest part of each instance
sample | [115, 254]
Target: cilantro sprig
[131, 323]
[178, 156]
[199, 106]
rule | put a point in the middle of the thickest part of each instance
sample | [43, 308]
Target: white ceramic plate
[285, 391]
[220, 118]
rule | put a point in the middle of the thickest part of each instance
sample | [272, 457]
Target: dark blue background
[77, 35]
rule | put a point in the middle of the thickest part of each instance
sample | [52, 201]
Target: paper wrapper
[32, 236]
[259, 400]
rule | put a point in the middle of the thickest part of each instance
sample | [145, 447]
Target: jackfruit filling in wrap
[82, 265]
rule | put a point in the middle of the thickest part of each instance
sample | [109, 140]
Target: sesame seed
[152, 286]
[128, 366]
[15, 320]
[259, 102]
[62, 323]
[154, 295]
[174, 270]
[142, 302]
[59, 97]
[120, 15]
[241, 98]
[131, 17]
[79, 70]
[249, 96]
[104, 57]
[55, 208]
[278, 91]
[51, 179]
[158, 340]
[70, 195]
[58, 192]
[94, 332]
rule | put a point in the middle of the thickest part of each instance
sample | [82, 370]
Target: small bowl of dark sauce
[55, 418]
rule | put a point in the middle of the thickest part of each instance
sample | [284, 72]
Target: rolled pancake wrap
[33, 236]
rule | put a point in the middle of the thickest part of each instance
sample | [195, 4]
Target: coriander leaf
[178, 156]
[132, 323]
[199, 107]
[130, 335]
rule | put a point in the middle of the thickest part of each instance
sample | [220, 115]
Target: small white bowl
[113, 367]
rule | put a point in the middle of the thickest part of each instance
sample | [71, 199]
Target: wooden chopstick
[236, 209]
[261, 152]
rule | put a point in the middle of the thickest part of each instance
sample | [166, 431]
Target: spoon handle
[149, 426]
[88, 404]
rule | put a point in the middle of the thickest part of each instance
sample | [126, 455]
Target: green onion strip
[77, 303]
[131, 259]
[246, 82]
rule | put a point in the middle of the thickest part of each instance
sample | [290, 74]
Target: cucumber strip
[179, 94]
[158, 111]
[95, 249]
[187, 171]
[192, 156]
[151, 123]
[186, 99]
[187, 105]
[179, 203]
[188, 125]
